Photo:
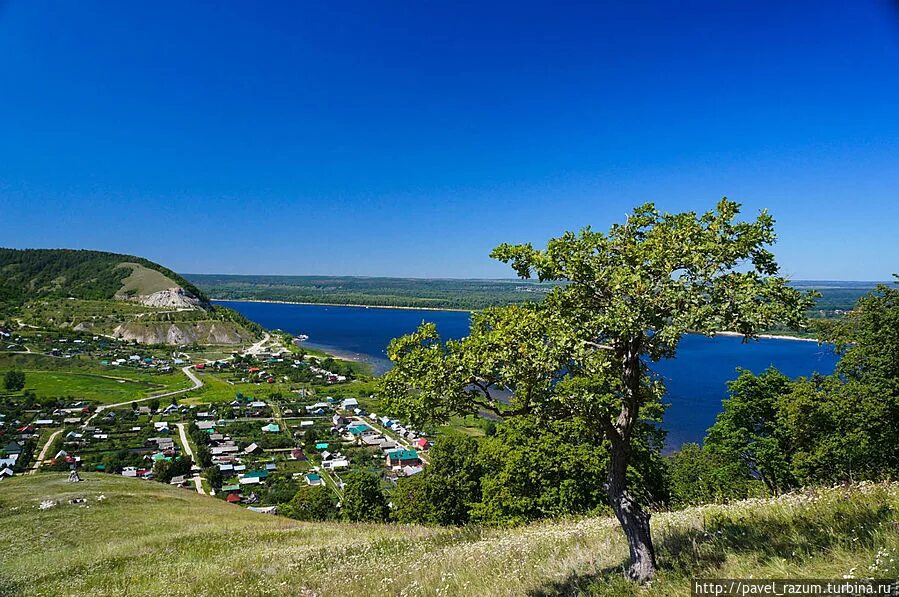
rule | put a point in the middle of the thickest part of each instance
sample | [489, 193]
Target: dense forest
[27, 274]
[836, 297]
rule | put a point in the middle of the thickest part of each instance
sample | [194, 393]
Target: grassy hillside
[139, 537]
[62, 273]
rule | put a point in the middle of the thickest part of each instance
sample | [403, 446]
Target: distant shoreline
[341, 305]
[770, 336]
[731, 334]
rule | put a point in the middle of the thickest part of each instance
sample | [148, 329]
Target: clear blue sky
[389, 138]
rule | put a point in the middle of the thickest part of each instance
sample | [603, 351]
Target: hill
[118, 295]
[142, 537]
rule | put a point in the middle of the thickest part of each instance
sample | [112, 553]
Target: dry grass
[145, 539]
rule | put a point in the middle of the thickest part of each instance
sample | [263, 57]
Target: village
[255, 428]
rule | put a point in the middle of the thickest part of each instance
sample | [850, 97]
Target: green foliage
[699, 475]
[623, 299]
[363, 498]
[749, 433]
[14, 381]
[311, 503]
[537, 470]
[447, 488]
[832, 429]
[164, 470]
[63, 273]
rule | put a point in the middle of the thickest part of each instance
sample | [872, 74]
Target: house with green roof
[313, 479]
[402, 458]
[321, 446]
[272, 428]
[358, 429]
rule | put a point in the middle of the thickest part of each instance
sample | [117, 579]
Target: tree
[153, 404]
[623, 300]
[447, 488]
[311, 503]
[363, 499]
[214, 476]
[14, 381]
[698, 475]
[750, 432]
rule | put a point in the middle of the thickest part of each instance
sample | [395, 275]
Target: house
[200, 366]
[349, 404]
[252, 449]
[178, 480]
[272, 428]
[257, 404]
[12, 448]
[229, 488]
[422, 443]
[402, 457]
[44, 422]
[306, 424]
[372, 439]
[233, 498]
[313, 479]
[129, 471]
[336, 463]
[6, 472]
[358, 429]
[245, 480]
[321, 446]
[297, 454]
[206, 425]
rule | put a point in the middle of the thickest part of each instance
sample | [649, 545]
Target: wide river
[695, 379]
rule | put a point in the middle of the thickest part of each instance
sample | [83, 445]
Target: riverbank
[445, 309]
[770, 336]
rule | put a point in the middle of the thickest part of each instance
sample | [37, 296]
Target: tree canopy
[624, 299]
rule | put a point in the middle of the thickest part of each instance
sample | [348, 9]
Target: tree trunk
[633, 519]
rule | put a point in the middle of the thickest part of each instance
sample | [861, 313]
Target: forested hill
[836, 297]
[62, 273]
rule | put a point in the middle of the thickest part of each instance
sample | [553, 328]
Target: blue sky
[389, 138]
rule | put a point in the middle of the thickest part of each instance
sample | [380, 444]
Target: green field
[50, 377]
[145, 538]
[101, 388]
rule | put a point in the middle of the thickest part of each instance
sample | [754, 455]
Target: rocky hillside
[185, 332]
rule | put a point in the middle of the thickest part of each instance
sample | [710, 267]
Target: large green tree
[14, 380]
[749, 430]
[448, 487]
[625, 299]
[363, 498]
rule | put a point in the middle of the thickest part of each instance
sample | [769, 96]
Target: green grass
[145, 538]
[143, 280]
[101, 388]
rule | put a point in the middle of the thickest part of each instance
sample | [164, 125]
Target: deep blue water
[695, 379]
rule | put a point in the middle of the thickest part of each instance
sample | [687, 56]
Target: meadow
[143, 538]
[50, 377]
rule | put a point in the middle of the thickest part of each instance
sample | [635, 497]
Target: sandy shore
[340, 305]
[770, 336]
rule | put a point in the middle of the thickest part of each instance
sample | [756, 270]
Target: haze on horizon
[408, 141]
